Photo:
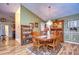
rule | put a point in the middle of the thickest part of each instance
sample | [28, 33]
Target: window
[77, 23]
[72, 24]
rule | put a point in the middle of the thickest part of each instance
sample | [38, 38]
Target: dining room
[50, 30]
[43, 29]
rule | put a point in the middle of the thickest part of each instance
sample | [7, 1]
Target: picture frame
[36, 25]
[3, 19]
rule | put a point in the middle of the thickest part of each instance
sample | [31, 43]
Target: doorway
[7, 30]
[13, 31]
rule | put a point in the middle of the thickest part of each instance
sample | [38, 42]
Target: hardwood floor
[69, 49]
[11, 47]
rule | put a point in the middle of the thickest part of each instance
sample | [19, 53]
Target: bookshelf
[26, 36]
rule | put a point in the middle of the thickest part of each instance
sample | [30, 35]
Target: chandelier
[49, 23]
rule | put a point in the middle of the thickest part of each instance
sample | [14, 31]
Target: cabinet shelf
[57, 29]
[25, 34]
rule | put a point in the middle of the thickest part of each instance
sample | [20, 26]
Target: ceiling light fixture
[49, 6]
[7, 4]
[49, 12]
[49, 22]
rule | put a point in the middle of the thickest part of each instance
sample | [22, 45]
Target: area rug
[44, 50]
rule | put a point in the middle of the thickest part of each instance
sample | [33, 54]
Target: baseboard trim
[71, 42]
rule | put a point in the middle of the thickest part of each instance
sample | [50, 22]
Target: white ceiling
[9, 7]
[8, 10]
[57, 9]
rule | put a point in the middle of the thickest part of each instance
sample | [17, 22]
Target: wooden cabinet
[26, 36]
[57, 29]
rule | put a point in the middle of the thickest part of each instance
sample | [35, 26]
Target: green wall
[68, 35]
[28, 17]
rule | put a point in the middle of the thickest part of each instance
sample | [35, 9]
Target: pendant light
[49, 23]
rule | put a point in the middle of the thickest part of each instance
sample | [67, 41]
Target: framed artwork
[3, 19]
[36, 25]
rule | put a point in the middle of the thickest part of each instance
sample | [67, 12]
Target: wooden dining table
[44, 40]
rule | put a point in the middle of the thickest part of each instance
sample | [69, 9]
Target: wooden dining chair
[55, 43]
[37, 43]
[51, 44]
[36, 34]
[35, 40]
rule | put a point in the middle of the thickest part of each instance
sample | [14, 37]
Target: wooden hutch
[57, 28]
